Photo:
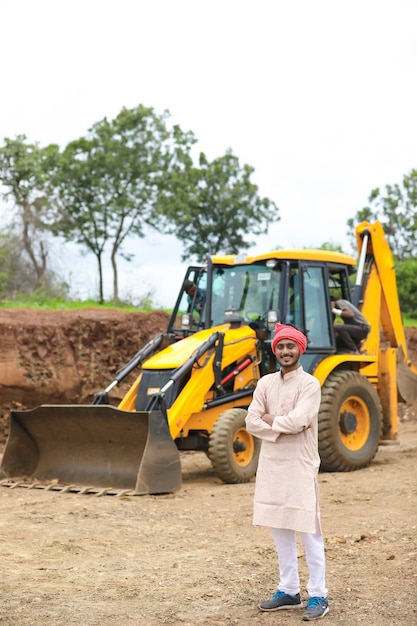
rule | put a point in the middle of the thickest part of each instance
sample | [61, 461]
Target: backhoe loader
[195, 382]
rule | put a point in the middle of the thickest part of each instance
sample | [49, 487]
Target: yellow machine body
[195, 382]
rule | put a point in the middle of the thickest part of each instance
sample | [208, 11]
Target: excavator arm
[381, 306]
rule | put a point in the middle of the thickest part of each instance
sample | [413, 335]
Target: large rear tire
[233, 451]
[350, 422]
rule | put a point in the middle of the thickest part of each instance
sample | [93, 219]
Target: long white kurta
[286, 490]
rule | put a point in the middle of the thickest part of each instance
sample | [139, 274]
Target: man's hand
[269, 419]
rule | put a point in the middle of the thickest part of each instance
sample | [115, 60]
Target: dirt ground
[193, 557]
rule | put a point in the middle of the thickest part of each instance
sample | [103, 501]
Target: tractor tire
[233, 451]
[350, 422]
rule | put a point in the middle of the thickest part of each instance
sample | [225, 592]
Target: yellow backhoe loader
[195, 381]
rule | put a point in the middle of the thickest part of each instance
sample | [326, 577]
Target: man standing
[283, 414]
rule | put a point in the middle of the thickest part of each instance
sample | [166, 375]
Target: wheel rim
[243, 447]
[354, 423]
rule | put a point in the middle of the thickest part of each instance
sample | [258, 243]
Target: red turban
[289, 332]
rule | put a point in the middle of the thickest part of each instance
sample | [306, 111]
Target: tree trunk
[100, 278]
[39, 265]
[115, 276]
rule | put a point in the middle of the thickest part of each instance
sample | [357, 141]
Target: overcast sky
[320, 97]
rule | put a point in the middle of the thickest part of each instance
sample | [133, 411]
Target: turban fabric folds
[289, 332]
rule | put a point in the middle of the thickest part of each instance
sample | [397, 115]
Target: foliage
[14, 270]
[127, 173]
[396, 209]
[406, 273]
[17, 275]
[331, 247]
[25, 174]
[109, 182]
[216, 208]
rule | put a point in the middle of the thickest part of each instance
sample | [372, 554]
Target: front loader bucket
[97, 446]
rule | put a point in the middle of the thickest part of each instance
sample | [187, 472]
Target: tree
[25, 172]
[396, 209]
[15, 273]
[109, 183]
[331, 246]
[406, 272]
[217, 208]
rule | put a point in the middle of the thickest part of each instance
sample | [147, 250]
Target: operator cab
[291, 287]
[238, 295]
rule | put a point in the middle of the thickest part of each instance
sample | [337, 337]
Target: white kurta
[286, 490]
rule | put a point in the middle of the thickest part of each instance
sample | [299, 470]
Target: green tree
[25, 171]
[217, 209]
[331, 246]
[396, 209]
[109, 183]
[15, 275]
[406, 272]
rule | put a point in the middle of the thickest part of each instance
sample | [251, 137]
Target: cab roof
[304, 254]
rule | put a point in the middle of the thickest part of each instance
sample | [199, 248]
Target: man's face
[287, 354]
[191, 290]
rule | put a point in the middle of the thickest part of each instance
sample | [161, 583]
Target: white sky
[320, 97]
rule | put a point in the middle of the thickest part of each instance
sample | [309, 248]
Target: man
[195, 295]
[354, 329]
[283, 414]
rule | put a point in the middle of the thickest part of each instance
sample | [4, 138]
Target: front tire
[233, 451]
[349, 422]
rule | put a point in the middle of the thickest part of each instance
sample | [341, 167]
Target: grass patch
[409, 321]
[70, 305]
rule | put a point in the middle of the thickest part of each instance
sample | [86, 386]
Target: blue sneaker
[281, 600]
[316, 608]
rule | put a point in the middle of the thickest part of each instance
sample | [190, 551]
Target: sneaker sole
[280, 608]
[311, 619]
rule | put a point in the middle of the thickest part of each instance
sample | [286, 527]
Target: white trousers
[286, 545]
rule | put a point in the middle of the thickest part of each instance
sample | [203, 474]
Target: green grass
[409, 321]
[60, 305]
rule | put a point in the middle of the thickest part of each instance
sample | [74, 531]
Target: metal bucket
[99, 446]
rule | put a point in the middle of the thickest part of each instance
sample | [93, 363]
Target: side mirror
[273, 317]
